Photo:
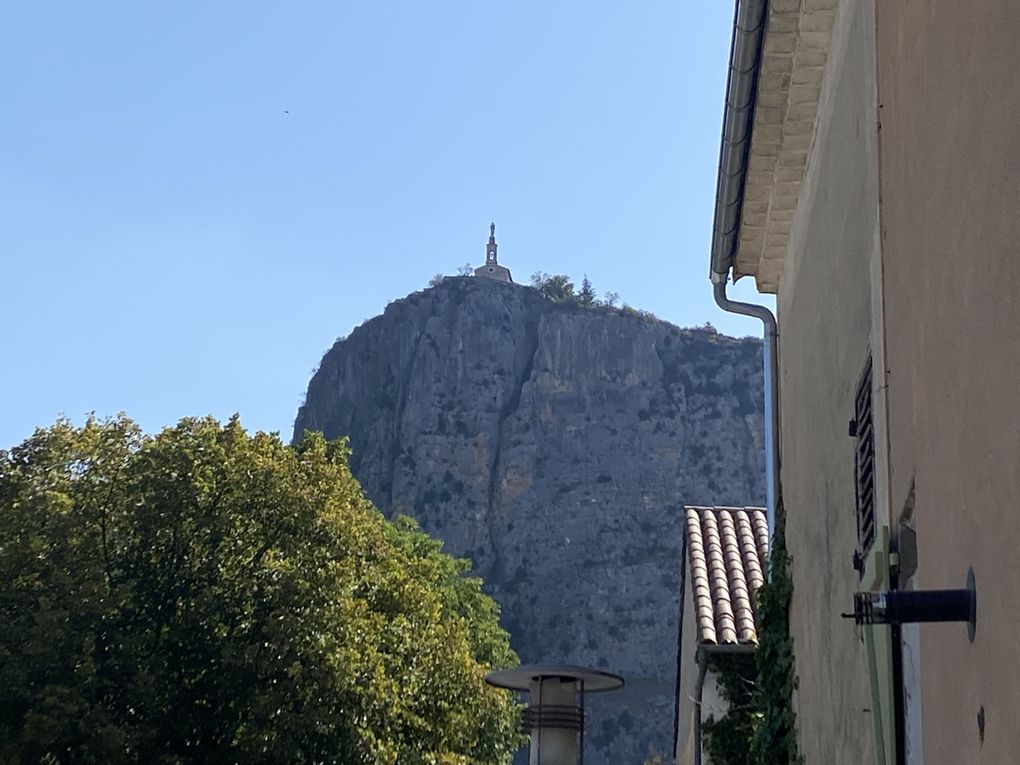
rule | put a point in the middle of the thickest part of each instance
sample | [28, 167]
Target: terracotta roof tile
[727, 549]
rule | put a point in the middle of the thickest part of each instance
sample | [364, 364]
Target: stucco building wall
[826, 320]
[949, 86]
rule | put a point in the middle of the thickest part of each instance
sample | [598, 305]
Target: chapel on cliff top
[492, 269]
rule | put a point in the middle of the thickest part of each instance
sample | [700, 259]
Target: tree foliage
[728, 739]
[203, 595]
[558, 288]
[555, 287]
[586, 295]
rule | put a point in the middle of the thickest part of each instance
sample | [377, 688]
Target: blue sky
[174, 243]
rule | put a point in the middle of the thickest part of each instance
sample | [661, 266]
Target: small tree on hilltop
[538, 279]
[612, 298]
[586, 295]
[558, 288]
[466, 270]
[205, 595]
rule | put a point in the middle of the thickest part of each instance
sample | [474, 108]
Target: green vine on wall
[727, 740]
[759, 727]
[775, 734]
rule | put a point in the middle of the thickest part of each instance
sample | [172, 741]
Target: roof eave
[768, 132]
[738, 121]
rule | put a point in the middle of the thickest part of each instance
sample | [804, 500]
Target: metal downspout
[749, 23]
[771, 359]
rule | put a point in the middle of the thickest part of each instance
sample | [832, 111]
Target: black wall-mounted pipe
[917, 606]
[911, 607]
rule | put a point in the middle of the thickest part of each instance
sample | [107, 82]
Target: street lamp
[555, 717]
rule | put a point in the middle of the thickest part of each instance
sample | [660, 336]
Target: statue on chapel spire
[492, 269]
[490, 248]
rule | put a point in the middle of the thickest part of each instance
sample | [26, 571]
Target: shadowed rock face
[555, 447]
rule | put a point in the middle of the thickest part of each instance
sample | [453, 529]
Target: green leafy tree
[209, 596]
[727, 740]
[558, 288]
[586, 295]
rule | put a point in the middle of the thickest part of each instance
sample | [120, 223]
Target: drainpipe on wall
[771, 359]
[750, 17]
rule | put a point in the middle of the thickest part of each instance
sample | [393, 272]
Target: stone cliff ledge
[554, 445]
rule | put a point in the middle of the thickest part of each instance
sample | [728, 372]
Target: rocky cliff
[554, 445]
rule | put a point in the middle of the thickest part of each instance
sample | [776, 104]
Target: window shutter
[863, 429]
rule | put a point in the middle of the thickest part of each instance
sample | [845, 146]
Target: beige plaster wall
[949, 88]
[825, 321]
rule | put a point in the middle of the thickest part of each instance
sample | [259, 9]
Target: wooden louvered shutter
[862, 428]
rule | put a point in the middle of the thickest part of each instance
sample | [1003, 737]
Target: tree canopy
[206, 595]
[556, 287]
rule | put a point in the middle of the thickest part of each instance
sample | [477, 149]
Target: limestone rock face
[555, 446]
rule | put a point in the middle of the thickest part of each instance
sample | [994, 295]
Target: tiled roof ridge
[727, 552]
